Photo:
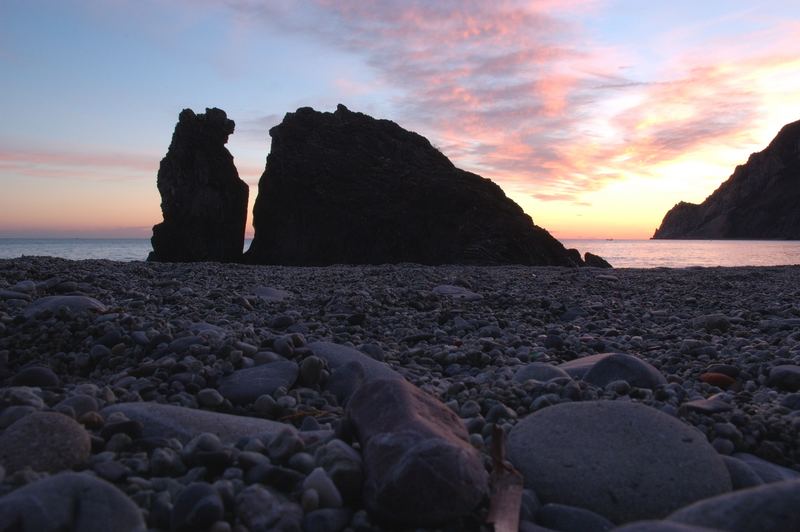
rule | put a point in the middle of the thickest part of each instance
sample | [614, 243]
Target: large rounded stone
[772, 507]
[170, 421]
[337, 355]
[539, 371]
[44, 441]
[54, 303]
[70, 501]
[246, 385]
[622, 460]
[786, 376]
[608, 367]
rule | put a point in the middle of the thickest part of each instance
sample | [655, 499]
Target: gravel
[139, 358]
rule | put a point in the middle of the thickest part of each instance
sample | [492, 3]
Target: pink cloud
[518, 91]
[55, 164]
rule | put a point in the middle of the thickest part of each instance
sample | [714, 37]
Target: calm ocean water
[620, 253]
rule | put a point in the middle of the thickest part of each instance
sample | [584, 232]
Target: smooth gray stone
[661, 526]
[711, 322]
[344, 465]
[456, 292]
[327, 520]
[539, 371]
[44, 441]
[11, 294]
[77, 502]
[73, 303]
[37, 376]
[571, 519]
[338, 355]
[772, 507]
[742, 475]
[609, 367]
[345, 380]
[169, 421]
[580, 366]
[767, 471]
[271, 294]
[261, 511]
[712, 405]
[622, 460]
[786, 376]
[420, 469]
[196, 506]
[80, 403]
[246, 385]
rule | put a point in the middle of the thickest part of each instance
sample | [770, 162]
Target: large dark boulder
[759, 201]
[419, 467]
[346, 188]
[202, 198]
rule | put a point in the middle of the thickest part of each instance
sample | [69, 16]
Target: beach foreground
[703, 431]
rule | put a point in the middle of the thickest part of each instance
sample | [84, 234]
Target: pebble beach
[227, 397]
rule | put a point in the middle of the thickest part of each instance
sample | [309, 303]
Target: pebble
[343, 465]
[456, 292]
[36, 376]
[197, 505]
[53, 304]
[319, 481]
[210, 397]
[284, 444]
[311, 371]
[786, 376]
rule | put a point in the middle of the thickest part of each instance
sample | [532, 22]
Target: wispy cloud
[521, 94]
[102, 166]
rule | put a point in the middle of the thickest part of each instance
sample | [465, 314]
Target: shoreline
[173, 333]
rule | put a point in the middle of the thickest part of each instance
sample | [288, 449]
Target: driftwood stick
[506, 488]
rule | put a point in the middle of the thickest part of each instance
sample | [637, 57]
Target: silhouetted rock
[595, 261]
[203, 201]
[759, 201]
[346, 188]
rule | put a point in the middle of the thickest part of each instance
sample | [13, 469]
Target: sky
[596, 116]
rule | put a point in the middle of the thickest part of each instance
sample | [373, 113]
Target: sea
[620, 253]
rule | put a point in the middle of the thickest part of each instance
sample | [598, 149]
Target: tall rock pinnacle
[203, 201]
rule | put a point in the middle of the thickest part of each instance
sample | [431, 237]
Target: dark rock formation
[346, 188]
[759, 201]
[595, 261]
[202, 198]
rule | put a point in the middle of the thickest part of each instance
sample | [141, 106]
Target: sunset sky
[596, 116]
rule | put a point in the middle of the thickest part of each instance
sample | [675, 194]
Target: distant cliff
[761, 200]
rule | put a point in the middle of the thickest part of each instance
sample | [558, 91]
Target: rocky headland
[203, 201]
[229, 397]
[759, 201]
